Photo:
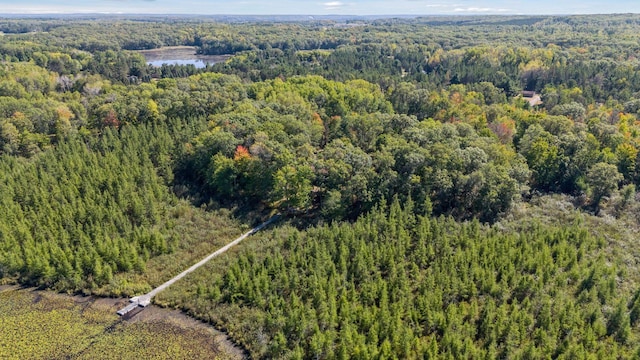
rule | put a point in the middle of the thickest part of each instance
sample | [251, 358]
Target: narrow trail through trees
[144, 300]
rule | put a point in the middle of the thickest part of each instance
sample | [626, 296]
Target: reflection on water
[180, 55]
[198, 63]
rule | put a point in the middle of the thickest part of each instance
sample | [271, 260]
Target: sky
[320, 7]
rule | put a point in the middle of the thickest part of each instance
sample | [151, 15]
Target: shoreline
[151, 315]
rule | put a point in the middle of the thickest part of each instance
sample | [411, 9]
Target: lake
[180, 55]
[198, 63]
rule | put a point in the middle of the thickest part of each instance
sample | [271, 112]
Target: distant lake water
[180, 55]
[198, 63]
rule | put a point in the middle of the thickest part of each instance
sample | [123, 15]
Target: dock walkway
[144, 300]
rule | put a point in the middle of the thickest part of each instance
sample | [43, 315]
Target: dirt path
[8, 287]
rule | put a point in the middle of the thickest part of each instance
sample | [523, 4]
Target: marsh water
[181, 55]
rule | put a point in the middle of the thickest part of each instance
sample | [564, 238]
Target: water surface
[198, 63]
[180, 55]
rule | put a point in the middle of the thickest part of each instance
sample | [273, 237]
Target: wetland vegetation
[44, 325]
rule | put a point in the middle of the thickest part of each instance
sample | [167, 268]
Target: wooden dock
[144, 300]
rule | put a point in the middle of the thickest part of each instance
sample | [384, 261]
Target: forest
[431, 209]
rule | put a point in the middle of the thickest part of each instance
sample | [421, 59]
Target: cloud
[480, 9]
[442, 5]
[333, 5]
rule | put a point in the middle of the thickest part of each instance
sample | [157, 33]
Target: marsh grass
[197, 233]
[45, 325]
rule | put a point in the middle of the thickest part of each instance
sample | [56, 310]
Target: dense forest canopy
[431, 210]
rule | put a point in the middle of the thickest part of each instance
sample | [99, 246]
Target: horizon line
[457, 14]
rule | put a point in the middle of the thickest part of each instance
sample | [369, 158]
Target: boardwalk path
[144, 300]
